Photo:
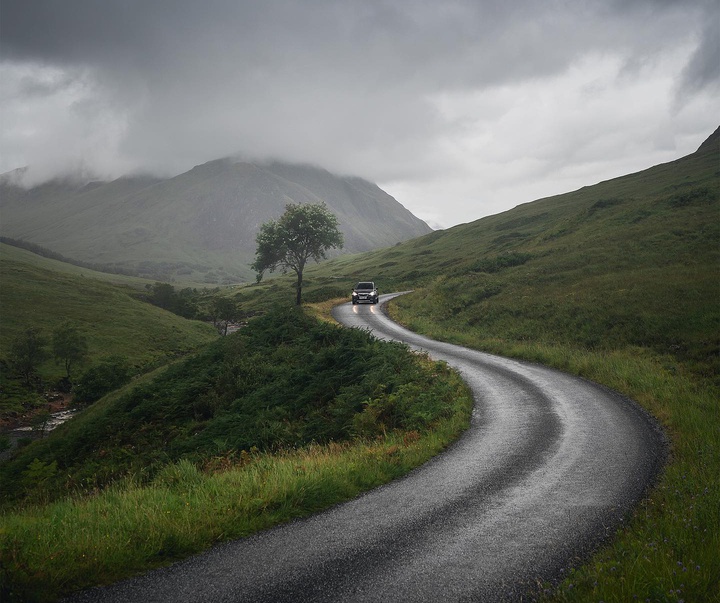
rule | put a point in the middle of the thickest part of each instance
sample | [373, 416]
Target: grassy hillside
[631, 262]
[35, 260]
[114, 321]
[335, 410]
[41, 293]
[628, 262]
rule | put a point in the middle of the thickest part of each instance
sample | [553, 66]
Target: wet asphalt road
[548, 469]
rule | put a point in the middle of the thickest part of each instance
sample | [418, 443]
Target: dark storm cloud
[452, 43]
[422, 44]
[371, 87]
[703, 69]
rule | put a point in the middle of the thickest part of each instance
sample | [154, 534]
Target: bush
[285, 381]
[102, 379]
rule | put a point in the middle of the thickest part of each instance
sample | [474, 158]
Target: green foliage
[321, 294]
[27, 351]
[69, 346]
[40, 420]
[223, 311]
[106, 376]
[412, 406]
[38, 472]
[182, 303]
[701, 195]
[15, 397]
[47, 294]
[284, 381]
[303, 232]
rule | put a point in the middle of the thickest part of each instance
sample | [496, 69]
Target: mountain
[197, 226]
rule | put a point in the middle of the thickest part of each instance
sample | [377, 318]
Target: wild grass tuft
[78, 542]
[242, 447]
[668, 549]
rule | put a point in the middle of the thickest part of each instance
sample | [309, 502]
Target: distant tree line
[194, 305]
[69, 347]
[183, 303]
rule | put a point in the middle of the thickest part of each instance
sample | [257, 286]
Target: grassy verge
[669, 549]
[321, 310]
[184, 506]
[77, 543]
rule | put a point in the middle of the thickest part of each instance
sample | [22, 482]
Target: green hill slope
[633, 261]
[42, 293]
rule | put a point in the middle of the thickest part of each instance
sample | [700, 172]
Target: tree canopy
[69, 346]
[27, 351]
[223, 311]
[303, 232]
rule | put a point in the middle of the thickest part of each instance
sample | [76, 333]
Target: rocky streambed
[33, 427]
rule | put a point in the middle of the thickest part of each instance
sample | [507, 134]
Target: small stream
[34, 433]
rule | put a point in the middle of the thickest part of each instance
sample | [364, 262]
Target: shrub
[102, 379]
[285, 381]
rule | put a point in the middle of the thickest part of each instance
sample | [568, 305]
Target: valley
[616, 283]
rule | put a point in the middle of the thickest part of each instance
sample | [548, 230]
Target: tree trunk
[298, 298]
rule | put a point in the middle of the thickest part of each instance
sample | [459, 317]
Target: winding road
[548, 469]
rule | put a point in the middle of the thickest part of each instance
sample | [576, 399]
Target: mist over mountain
[199, 225]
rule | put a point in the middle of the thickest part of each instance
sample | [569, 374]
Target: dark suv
[365, 292]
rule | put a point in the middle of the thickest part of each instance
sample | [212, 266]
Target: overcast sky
[459, 109]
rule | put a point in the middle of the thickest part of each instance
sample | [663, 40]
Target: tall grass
[669, 549]
[74, 543]
[368, 412]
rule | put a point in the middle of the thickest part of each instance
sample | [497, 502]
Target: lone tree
[302, 232]
[27, 351]
[223, 311]
[69, 346]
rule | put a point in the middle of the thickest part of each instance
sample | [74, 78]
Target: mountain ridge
[200, 224]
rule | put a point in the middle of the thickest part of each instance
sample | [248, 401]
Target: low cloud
[459, 108]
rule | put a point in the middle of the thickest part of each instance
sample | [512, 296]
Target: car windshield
[365, 286]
